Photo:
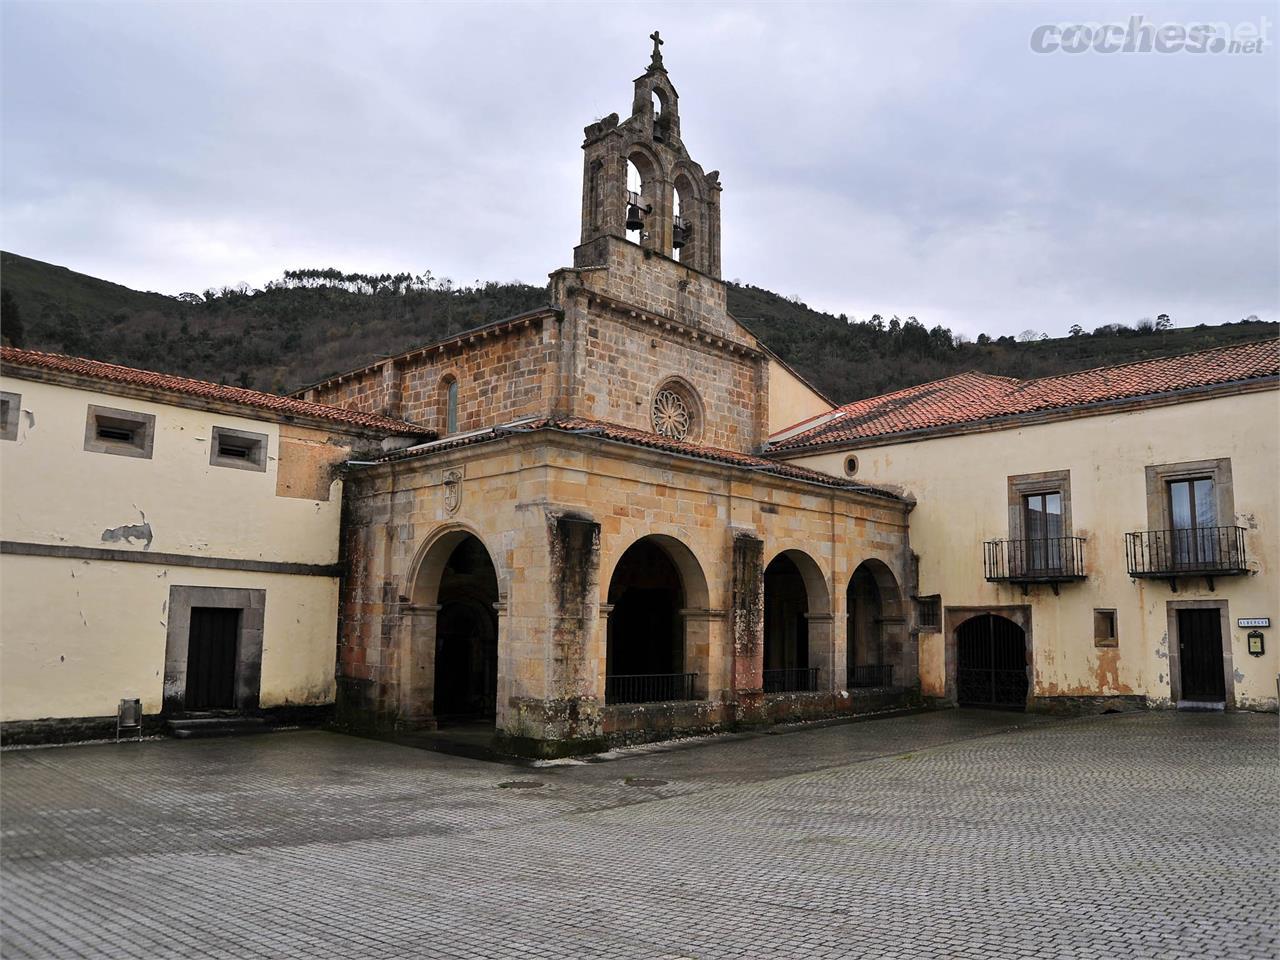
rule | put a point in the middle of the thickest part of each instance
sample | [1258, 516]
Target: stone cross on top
[656, 62]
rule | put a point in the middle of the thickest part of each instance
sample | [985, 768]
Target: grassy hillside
[314, 323]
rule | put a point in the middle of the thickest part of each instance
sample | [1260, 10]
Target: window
[929, 613]
[850, 465]
[675, 411]
[1193, 515]
[1042, 526]
[124, 433]
[10, 407]
[1104, 628]
[240, 449]
[451, 408]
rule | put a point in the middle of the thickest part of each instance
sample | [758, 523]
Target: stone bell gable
[676, 205]
[650, 342]
[637, 332]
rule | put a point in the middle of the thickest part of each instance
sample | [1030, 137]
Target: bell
[635, 217]
[681, 233]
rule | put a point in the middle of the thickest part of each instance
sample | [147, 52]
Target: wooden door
[1200, 656]
[212, 646]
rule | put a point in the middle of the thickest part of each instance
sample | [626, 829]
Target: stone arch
[451, 629]
[656, 631]
[797, 624]
[878, 646]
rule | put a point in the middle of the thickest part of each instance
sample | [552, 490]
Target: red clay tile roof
[975, 397]
[287, 406]
[641, 438]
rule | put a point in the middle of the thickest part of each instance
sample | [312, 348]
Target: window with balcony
[1040, 547]
[1190, 508]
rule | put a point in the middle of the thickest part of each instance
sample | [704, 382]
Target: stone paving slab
[952, 834]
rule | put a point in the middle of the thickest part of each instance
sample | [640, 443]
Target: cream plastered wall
[78, 635]
[790, 400]
[961, 485]
[56, 492]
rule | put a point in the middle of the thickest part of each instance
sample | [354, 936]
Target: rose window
[671, 415]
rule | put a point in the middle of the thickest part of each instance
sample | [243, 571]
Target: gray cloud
[916, 159]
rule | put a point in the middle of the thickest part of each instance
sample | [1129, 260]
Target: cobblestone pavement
[952, 834]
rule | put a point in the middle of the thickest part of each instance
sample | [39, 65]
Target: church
[593, 551]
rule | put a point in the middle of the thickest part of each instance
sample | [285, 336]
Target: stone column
[747, 620]
[900, 649]
[698, 650]
[417, 645]
[822, 652]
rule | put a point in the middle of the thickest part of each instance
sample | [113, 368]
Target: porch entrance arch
[654, 649]
[795, 599]
[878, 652]
[453, 660]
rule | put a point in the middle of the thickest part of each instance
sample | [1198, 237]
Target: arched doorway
[877, 651]
[793, 591]
[457, 582]
[991, 663]
[649, 652]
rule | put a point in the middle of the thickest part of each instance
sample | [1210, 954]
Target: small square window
[124, 433]
[10, 408]
[1104, 628]
[240, 449]
[929, 613]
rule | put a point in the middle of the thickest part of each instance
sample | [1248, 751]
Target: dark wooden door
[211, 658]
[1200, 656]
[991, 663]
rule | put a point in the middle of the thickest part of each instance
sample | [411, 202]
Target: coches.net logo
[1141, 36]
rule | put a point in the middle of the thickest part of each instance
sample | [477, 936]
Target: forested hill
[316, 322]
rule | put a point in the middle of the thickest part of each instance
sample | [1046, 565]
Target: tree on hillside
[1164, 322]
[1026, 336]
[1076, 330]
[11, 321]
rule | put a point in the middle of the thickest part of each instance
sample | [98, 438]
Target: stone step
[215, 726]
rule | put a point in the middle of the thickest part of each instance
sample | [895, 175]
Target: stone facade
[556, 512]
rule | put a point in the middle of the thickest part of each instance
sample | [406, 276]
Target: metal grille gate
[991, 663]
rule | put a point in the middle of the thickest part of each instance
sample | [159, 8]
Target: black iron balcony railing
[648, 687]
[791, 680]
[871, 675]
[1050, 560]
[1197, 552]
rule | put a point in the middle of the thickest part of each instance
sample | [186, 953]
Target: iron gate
[991, 663]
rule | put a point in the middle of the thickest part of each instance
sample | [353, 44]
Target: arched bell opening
[795, 611]
[685, 229]
[644, 200]
[877, 647]
[654, 649]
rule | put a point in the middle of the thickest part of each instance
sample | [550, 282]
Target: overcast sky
[917, 159]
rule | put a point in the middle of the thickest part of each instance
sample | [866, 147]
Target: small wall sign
[1255, 643]
[1254, 622]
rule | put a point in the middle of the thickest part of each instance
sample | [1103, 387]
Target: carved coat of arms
[452, 490]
